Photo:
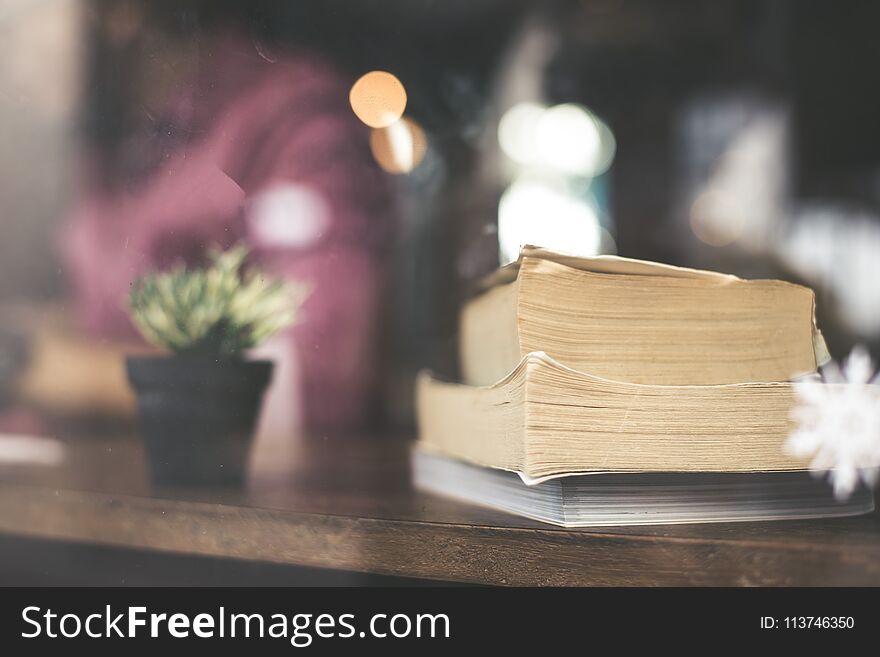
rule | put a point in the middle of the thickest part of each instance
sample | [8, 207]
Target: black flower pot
[198, 416]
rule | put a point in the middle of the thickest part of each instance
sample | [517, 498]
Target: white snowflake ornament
[838, 423]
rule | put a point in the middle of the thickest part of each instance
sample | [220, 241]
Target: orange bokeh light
[378, 99]
[400, 147]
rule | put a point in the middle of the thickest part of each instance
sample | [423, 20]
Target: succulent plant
[222, 309]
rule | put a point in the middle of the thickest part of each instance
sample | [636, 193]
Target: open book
[641, 322]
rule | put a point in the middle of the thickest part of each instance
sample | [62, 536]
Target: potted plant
[199, 406]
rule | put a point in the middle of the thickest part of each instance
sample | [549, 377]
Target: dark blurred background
[739, 135]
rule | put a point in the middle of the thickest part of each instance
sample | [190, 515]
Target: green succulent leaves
[222, 309]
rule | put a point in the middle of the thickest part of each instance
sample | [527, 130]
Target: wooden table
[348, 504]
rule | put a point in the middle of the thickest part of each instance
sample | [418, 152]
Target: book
[638, 499]
[640, 322]
[545, 419]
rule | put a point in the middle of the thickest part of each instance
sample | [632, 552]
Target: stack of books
[607, 391]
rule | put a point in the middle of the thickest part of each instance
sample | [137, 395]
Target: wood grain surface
[348, 504]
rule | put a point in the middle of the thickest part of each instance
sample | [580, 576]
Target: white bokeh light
[536, 212]
[289, 215]
[568, 139]
[518, 131]
[565, 138]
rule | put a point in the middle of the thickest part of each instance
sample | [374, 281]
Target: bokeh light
[289, 215]
[540, 213]
[716, 218]
[378, 99]
[518, 131]
[566, 138]
[400, 147]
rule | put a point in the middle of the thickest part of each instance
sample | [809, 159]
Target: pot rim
[197, 371]
[207, 358]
